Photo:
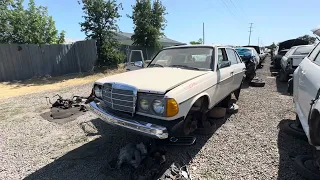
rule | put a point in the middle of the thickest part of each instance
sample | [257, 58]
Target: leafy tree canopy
[308, 38]
[149, 22]
[200, 41]
[100, 23]
[27, 26]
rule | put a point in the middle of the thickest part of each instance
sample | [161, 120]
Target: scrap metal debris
[64, 110]
[176, 173]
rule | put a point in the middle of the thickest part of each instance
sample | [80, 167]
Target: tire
[304, 166]
[283, 77]
[291, 128]
[315, 128]
[257, 83]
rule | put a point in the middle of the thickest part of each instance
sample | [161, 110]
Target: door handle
[231, 73]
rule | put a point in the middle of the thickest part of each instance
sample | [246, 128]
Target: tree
[197, 42]
[26, 26]
[149, 22]
[100, 23]
[308, 38]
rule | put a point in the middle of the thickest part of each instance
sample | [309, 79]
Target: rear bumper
[141, 127]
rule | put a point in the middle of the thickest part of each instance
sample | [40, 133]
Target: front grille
[119, 97]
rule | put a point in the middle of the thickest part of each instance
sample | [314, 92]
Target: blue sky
[226, 21]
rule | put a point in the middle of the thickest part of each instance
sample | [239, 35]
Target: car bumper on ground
[144, 128]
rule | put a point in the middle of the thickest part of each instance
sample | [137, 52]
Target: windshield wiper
[155, 65]
[184, 66]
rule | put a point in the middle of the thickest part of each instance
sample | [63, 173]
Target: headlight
[144, 104]
[158, 106]
[98, 91]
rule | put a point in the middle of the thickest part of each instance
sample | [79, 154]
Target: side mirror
[138, 64]
[225, 64]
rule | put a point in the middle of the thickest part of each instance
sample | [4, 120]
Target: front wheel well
[202, 103]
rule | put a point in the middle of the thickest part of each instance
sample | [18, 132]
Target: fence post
[77, 56]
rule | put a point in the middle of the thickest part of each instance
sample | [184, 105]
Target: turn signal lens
[172, 108]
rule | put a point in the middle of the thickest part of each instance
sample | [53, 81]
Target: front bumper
[144, 128]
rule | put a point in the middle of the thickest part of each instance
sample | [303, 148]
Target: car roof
[199, 45]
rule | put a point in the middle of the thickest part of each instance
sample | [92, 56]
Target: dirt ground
[36, 85]
[246, 145]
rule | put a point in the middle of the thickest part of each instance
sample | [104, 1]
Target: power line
[228, 8]
[250, 32]
[234, 5]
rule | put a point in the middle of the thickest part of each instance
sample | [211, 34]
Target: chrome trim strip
[144, 128]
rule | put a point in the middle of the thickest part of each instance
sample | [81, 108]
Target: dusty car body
[306, 93]
[251, 59]
[291, 60]
[282, 49]
[178, 83]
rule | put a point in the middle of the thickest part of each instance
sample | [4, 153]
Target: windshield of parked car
[244, 51]
[195, 58]
[303, 50]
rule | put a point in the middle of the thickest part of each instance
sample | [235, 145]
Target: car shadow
[91, 160]
[289, 147]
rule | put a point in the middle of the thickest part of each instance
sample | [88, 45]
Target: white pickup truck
[177, 89]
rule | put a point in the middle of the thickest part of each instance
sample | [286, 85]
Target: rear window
[244, 51]
[303, 50]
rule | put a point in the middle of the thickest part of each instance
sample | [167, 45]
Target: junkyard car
[251, 59]
[283, 48]
[291, 60]
[306, 94]
[179, 84]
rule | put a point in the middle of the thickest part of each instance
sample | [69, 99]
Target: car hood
[154, 80]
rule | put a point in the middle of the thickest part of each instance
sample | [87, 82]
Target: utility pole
[258, 41]
[250, 32]
[203, 33]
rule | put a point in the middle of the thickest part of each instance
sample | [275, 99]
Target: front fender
[189, 103]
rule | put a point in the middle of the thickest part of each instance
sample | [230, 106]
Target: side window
[317, 59]
[314, 52]
[222, 58]
[237, 56]
[231, 56]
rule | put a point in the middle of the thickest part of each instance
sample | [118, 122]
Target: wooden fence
[24, 61]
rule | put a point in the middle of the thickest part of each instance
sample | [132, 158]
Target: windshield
[188, 58]
[303, 50]
[244, 51]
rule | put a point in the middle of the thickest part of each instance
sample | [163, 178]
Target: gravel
[247, 145]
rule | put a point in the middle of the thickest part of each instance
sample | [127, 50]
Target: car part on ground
[256, 82]
[176, 173]
[64, 110]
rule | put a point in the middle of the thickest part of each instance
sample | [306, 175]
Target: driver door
[224, 74]
[135, 61]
